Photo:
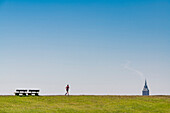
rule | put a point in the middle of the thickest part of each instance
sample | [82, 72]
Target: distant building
[145, 90]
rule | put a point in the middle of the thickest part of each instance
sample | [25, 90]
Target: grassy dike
[85, 104]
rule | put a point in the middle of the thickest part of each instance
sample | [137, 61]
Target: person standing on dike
[67, 90]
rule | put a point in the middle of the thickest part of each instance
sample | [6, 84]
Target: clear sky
[96, 46]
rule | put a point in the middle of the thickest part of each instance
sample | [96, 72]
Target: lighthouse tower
[145, 90]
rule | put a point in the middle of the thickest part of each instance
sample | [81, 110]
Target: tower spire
[145, 82]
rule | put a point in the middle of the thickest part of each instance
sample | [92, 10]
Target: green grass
[85, 104]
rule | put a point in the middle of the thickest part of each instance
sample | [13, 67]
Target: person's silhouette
[67, 90]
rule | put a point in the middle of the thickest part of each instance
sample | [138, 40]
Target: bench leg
[29, 94]
[36, 94]
[16, 94]
[24, 94]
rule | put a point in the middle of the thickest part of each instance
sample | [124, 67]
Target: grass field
[85, 104]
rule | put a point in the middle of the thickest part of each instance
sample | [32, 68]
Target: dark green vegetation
[85, 104]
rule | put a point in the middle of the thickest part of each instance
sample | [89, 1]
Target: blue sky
[96, 46]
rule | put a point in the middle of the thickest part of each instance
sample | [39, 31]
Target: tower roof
[145, 86]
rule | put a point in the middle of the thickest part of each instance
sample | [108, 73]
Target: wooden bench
[25, 92]
[33, 92]
[21, 92]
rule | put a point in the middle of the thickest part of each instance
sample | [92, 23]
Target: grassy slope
[85, 104]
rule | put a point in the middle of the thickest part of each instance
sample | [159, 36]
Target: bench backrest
[21, 90]
[31, 90]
